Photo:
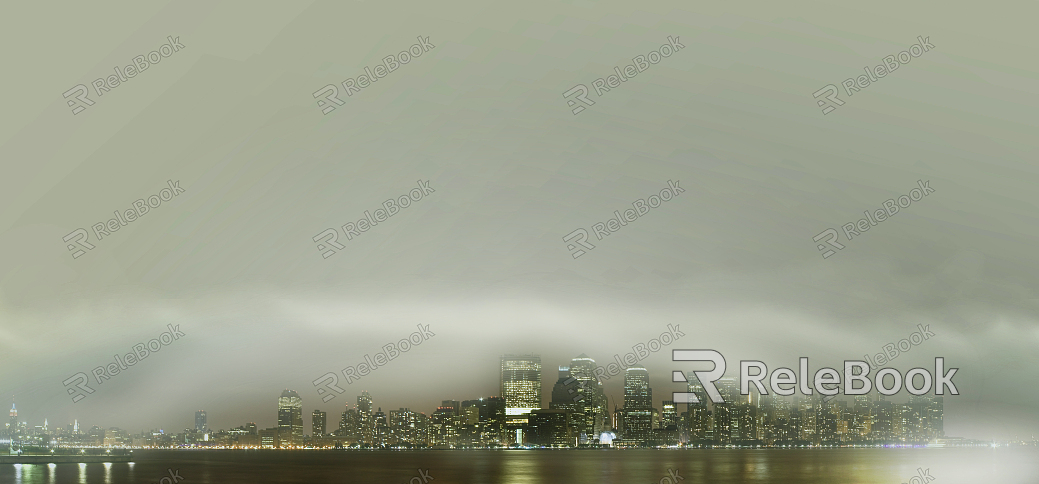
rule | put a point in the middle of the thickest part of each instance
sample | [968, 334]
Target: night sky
[481, 260]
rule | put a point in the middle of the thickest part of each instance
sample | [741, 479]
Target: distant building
[593, 402]
[318, 422]
[366, 420]
[290, 418]
[407, 428]
[444, 428]
[200, 421]
[270, 438]
[550, 428]
[637, 414]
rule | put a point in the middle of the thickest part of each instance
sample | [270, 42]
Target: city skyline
[637, 408]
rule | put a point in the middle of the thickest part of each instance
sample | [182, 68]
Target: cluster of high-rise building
[578, 414]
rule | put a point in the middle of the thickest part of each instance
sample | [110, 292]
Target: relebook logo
[826, 381]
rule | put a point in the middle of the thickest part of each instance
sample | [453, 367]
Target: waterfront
[777, 466]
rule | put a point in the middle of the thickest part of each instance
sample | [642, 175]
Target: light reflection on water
[716, 466]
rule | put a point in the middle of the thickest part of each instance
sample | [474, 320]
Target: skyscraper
[521, 383]
[318, 422]
[366, 420]
[290, 418]
[697, 414]
[637, 414]
[595, 408]
[407, 428]
[200, 421]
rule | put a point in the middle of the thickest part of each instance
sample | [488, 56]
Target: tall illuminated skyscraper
[521, 383]
[637, 393]
[200, 420]
[290, 418]
[596, 410]
[366, 420]
[637, 414]
[521, 389]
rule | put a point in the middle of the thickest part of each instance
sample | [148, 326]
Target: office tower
[382, 427]
[550, 428]
[251, 428]
[290, 418]
[455, 404]
[935, 418]
[637, 393]
[407, 428]
[366, 422]
[491, 420]
[349, 426]
[200, 421]
[443, 430]
[668, 432]
[698, 416]
[521, 383]
[595, 406]
[318, 422]
[567, 395]
[521, 389]
[469, 424]
[637, 415]
[12, 424]
[668, 414]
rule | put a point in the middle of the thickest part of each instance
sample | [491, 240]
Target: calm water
[776, 466]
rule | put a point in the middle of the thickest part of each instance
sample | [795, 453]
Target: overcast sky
[731, 260]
